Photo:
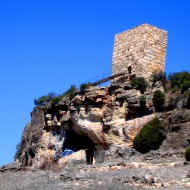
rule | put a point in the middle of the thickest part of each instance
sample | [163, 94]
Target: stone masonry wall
[141, 50]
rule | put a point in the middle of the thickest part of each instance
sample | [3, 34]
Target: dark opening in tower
[129, 70]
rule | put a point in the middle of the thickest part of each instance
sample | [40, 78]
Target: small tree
[46, 98]
[142, 110]
[178, 79]
[158, 100]
[84, 86]
[70, 92]
[142, 101]
[139, 83]
[150, 137]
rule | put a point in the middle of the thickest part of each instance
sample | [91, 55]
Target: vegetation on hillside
[158, 100]
[179, 81]
[46, 98]
[176, 82]
[70, 92]
[84, 86]
[159, 76]
[142, 101]
[54, 98]
[185, 86]
[139, 83]
[150, 137]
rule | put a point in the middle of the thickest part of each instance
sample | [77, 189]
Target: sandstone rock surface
[104, 120]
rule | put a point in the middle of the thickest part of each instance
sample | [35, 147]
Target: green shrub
[70, 92]
[84, 86]
[178, 79]
[187, 153]
[159, 76]
[43, 99]
[158, 100]
[142, 101]
[139, 83]
[150, 137]
[56, 100]
[185, 86]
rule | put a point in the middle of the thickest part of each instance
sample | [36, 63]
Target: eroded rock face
[177, 124]
[96, 120]
[104, 120]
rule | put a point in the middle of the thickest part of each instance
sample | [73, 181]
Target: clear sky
[48, 45]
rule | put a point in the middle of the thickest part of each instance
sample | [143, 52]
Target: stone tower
[140, 51]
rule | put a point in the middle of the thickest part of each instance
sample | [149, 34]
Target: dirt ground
[170, 172]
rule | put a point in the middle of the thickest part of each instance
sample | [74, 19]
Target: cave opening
[74, 142]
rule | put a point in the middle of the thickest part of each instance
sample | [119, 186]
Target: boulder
[180, 117]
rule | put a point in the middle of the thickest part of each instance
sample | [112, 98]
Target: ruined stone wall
[140, 51]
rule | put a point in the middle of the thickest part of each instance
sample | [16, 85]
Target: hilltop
[105, 121]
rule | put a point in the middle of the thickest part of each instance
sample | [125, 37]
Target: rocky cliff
[103, 121]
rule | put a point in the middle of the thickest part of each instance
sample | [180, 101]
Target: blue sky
[46, 46]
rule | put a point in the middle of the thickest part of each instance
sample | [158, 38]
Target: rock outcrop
[103, 120]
